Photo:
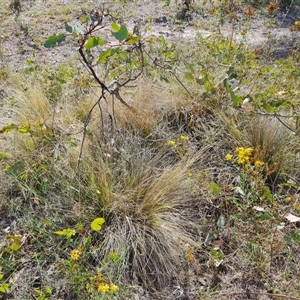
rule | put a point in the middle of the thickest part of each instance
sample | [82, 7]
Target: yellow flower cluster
[258, 163]
[107, 288]
[171, 143]
[184, 138]
[243, 155]
[75, 254]
[228, 156]
[102, 285]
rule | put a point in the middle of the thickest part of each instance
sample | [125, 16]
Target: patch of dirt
[24, 32]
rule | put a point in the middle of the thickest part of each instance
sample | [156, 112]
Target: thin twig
[85, 125]
[276, 114]
[285, 125]
[105, 89]
[155, 62]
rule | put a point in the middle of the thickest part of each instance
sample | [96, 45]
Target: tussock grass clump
[149, 206]
[40, 139]
[150, 103]
[273, 143]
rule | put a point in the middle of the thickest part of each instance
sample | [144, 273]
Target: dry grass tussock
[273, 142]
[150, 105]
[149, 207]
[146, 196]
[45, 141]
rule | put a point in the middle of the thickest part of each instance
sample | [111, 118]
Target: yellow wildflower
[24, 128]
[189, 174]
[288, 198]
[7, 168]
[75, 254]
[258, 163]
[171, 143]
[228, 156]
[184, 138]
[113, 288]
[243, 155]
[103, 288]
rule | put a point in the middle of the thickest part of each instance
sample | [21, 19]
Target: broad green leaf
[54, 40]
[231, 73]
[121, 34]
[235, 99]
[48, 290]
[264, 216]
[269, 108]
[96, 224]
[4, 287]
[7, 128]
[12, 170]
[1, 276]
[15, 246]
[217, 257]
[68, 27]
[115, 27]
[40, 293]
[104, 55]
[215, 189]
[268, 194]
[66, 232]
[93, 42]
